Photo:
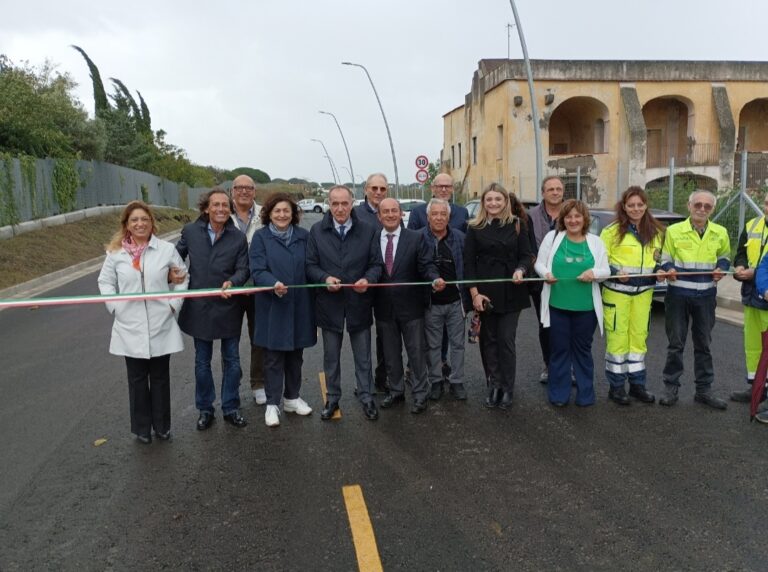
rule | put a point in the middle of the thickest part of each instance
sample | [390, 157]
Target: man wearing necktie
[343, 249]
[400, 310]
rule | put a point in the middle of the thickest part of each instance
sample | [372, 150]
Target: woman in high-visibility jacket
[633, 243]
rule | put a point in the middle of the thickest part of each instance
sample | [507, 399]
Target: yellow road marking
[323, 390]
[362, 531]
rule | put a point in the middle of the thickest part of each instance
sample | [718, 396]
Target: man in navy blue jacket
[442, 188]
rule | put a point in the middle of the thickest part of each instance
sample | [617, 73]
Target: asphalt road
[456, 488]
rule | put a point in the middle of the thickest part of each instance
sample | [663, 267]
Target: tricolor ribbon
[212, 292]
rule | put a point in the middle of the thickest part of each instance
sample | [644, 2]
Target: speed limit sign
[422, 162]
[422, 176]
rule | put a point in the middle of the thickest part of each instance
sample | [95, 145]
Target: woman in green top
[573, 262]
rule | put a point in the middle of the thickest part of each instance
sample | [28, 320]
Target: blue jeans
[205, 390]
[570, 344]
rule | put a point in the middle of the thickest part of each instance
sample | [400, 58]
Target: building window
[453, 156]
[459, 155]
[499, 142]
[474, 150]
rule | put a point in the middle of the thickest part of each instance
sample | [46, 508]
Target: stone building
[610, 123]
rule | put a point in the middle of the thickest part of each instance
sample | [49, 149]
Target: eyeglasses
[243, 189]
[703, 206]
[442, 186]
[378, 189]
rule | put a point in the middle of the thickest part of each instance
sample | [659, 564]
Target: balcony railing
[696, 155]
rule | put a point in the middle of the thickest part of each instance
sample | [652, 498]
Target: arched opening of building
[579, 126]
[753, 127]
[669, 123]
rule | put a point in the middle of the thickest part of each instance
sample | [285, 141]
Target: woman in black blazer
[497, 247]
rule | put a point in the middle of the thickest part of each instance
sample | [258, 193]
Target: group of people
[360, 266]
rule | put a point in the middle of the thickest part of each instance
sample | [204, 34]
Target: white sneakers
[272, 416]
[260, 396]
[297, 406]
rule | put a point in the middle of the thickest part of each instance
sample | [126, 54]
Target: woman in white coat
[145, 332]
[572, 261]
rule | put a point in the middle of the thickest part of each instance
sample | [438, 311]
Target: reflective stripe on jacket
[629, 256]
[685, 251]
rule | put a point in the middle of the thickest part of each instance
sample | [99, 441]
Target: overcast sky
[240, 84]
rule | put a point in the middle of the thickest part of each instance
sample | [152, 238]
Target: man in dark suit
[442, 188]
[400, 310]
[342, 249]
[376, 189]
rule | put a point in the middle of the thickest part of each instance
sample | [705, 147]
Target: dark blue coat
[213, 318]
[455, 241]
[287, 323]
[365, 212]
[458, 219]
[357, 256]
[412, 263]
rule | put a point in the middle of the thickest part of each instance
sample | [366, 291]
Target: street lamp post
[327, 156]
[389, 134]
[349, 160]
[534, 107]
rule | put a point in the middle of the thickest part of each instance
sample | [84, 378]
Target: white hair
[703, 192]
[438, 202]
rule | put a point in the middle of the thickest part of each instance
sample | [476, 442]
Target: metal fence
[32, 189]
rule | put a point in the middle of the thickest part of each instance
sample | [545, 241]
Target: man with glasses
[247, 220]
[542, 219]
[442, 188]
[695, 254]
[376, 189]
[446, 308]
[343, 249]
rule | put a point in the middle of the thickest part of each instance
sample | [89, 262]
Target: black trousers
[543, 332]
[497, 348]
[149, 394]
[257, 353]
[282, 374]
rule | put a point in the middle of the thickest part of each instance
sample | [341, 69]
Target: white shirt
[347, 225]
[383, 241]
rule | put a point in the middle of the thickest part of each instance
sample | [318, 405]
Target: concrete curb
[41, 284]
[10, 231]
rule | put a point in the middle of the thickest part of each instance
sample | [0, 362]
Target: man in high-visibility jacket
[702, 248]
[753, 245]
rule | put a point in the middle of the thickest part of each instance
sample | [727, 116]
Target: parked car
[472, 207]
[313, 206]
[407, 205]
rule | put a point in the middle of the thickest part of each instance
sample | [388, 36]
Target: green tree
[101, 104]
[257, 175]
[39, 115]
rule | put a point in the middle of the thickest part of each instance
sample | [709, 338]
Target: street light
[389, 134]
[350, 175]
[327, 156]
[351, 170]
[534, 107]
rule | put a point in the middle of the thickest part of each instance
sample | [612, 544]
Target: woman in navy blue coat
[285, 317]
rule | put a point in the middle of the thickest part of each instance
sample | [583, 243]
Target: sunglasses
[378, 189]
[703, 206]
